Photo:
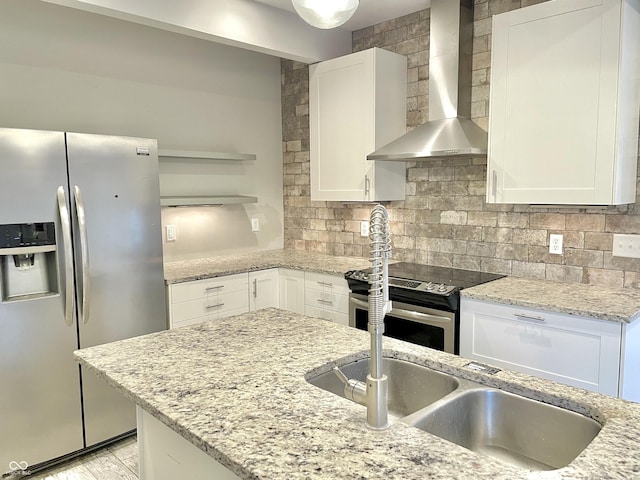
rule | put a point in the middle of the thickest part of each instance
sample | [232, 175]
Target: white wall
[64, 69]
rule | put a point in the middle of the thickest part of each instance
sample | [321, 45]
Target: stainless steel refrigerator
[80, 265]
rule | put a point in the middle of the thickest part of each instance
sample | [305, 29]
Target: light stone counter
[187, 270]
[613, 304]
[236, 389]
[619, 305]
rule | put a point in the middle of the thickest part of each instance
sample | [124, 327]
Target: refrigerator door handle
[84, 255]
[65, 223]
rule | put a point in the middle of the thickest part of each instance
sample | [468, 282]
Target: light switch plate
[171, 233]
[255, 224]
[626, 246]
[364, 228]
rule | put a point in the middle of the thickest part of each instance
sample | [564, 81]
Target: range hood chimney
[449, 132]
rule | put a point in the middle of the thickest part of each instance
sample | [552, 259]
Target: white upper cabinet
[357, 103]
[565, 95]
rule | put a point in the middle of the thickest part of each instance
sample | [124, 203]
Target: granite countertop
[613, 304]
[236, 389]
[188, 270]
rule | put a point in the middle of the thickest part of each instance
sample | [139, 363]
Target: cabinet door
[581, 352]
[556, 133]
[263, 287]
[357, 103]
[164, 453]
[291, 290]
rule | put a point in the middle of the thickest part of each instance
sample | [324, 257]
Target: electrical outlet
[626, 246]
[555, 244]
[255, 224]
[364, 228]
[171, 233]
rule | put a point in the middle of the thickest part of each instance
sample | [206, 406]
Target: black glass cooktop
[441, 275]
[423, 284]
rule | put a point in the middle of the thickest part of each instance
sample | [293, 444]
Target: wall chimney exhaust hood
[449, 132]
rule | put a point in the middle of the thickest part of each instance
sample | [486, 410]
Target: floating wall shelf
[206, 155]
[205, 200]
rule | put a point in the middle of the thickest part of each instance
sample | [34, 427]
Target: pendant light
[325, 13]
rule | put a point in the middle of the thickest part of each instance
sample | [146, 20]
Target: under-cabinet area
[583, 352]
[315, 294]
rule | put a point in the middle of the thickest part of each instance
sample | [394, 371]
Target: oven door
[412, 323]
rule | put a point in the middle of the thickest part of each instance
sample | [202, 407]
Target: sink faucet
[374, 394]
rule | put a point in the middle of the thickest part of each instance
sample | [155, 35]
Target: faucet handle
[354, 390]
[340, 374]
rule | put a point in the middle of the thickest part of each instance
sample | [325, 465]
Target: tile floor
[115, 462]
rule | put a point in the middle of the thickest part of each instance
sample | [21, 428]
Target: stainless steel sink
[492, 422]
[411, 387]
[511, 428]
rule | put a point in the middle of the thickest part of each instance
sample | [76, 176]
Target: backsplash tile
[444, 219]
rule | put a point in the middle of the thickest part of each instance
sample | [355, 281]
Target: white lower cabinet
[263, 289]
[326, 296]
[165, 455]
[291, 290]
[578, 351]
[308, 293]
[209, 299]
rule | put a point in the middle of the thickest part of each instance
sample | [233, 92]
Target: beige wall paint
[64, 69]
[444, 219]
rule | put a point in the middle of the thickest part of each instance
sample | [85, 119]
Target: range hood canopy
[449, 132]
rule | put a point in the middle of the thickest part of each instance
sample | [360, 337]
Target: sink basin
[511, 428]
[411, 387]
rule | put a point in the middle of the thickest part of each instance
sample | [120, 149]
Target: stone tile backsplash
[444, 219]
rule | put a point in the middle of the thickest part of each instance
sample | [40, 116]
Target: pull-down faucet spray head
[379, 306]
[374, 394]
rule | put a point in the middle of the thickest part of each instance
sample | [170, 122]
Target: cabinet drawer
[327, 300]
[324, 282]
[189, 321]
[208, 306]
[201, 288]
[578, 351]
[234, 301]
[335, 317]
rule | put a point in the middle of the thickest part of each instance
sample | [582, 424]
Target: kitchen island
[236, 389]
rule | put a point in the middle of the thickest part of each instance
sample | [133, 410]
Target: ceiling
[266, 26]
[370, 12]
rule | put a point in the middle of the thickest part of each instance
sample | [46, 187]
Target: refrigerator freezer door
[39, 380]
[117, 178]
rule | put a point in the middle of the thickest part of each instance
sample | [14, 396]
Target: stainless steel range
[426, 302]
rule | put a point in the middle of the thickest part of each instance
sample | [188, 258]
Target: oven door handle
[360, 303]
[408, 314]
[420, 317]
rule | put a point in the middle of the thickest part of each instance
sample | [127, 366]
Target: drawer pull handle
[524, 316]
[217, 287]
[325, 284]
[209, 307]
[325, 302]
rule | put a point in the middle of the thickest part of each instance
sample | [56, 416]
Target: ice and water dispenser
[28, 266]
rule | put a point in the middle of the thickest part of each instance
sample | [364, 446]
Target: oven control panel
[415, 285]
